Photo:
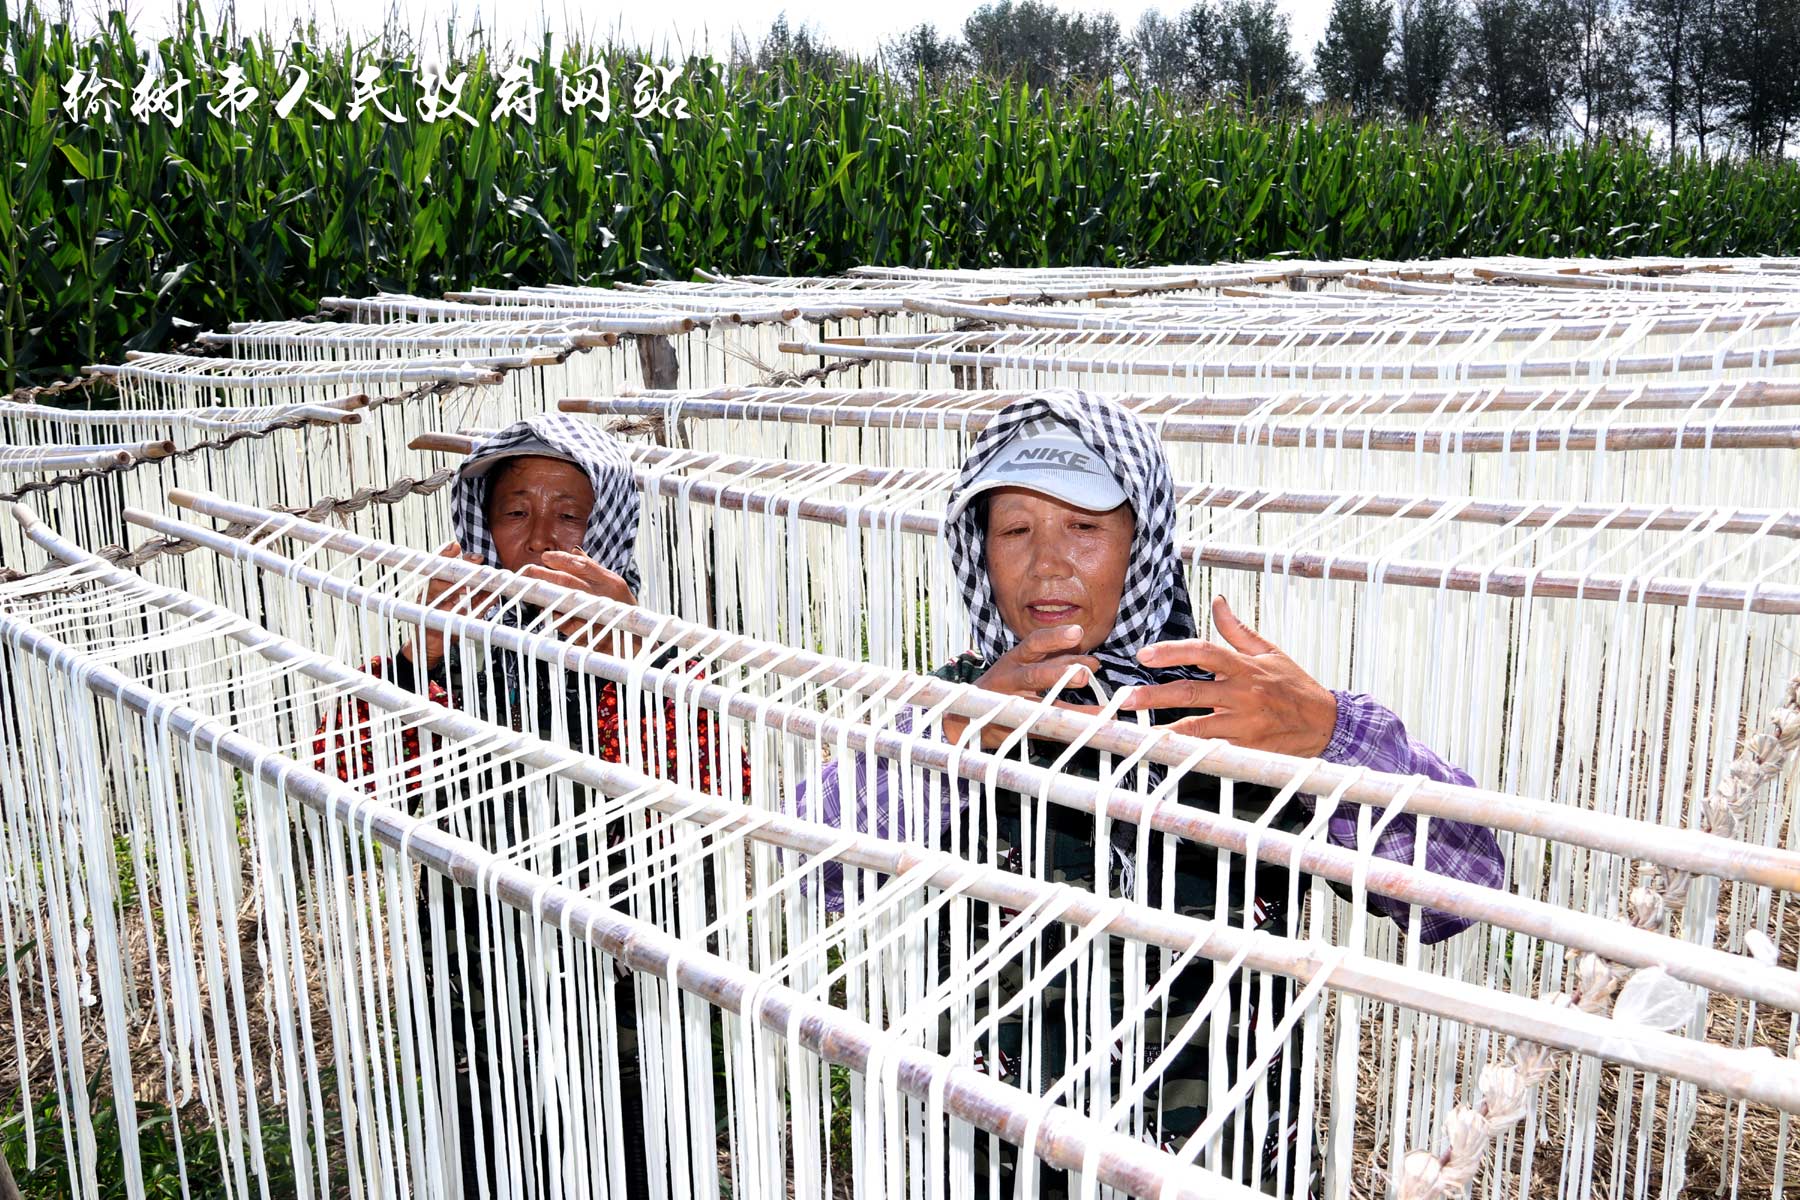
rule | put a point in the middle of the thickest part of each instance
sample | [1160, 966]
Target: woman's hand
[1030, 669]
[580, 573]
[1260, 698]
[448, 596]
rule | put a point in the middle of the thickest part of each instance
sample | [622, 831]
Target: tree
[1157, 52]
[1605, 90]
[1257, 54]
[1517, 64]
[1093, 47]
[1705, 72]
[1759, 39]
[1427, 35]
[1008, 40]
[1181, 54]
[1034, 41]
[802, 45]
[921, 50]
[1352, 60]
[1202, 28]
[1666, 30]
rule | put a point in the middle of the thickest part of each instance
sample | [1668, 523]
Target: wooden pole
[1107, 328]
[1630, 518]
[399, 337]
[1582, 279]
[392, 371]
[29, 464]
[949, 353]
[381, 309]
[971, 409]
[336, 410]
[657, 361]
[1701, 854]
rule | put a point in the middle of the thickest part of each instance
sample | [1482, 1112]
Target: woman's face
[538, 504]
[1053, 564]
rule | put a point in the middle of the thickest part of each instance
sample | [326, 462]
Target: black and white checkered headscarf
[1154, 606]
[612, 526]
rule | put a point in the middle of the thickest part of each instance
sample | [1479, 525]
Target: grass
[208, 1173]
[123, 234]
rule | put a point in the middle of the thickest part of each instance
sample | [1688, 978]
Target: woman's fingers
[1041, 677]
[1180, 693]
[1042, 644]
[594, 577]
[1032, 680]
[1192, 652]
[1234, 631]
[1092, 710]
[466, 600]
[559, 578]
[434, 586]
[584, 575]
[580, 614]
[1227, 727]
[459, 594]
[1035, 665]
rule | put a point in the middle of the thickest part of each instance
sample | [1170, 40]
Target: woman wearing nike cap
[1061, 531]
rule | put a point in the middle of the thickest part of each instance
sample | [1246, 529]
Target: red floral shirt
[347, 732]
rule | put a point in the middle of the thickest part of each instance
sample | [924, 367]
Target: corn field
[122, 233]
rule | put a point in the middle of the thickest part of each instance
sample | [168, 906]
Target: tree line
[1713, 77]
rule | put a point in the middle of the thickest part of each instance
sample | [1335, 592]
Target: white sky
[855, 25]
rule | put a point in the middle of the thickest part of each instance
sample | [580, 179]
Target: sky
[855, 25]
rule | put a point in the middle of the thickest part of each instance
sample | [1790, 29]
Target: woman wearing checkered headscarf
[1153, 604]
[610, 538]
[1057, 458]
[555, 499]
[1061, 531]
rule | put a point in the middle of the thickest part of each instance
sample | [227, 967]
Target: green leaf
[77, 159]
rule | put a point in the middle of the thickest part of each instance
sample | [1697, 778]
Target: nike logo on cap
[1037, 458]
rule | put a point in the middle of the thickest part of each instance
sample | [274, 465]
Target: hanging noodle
[1544, 509]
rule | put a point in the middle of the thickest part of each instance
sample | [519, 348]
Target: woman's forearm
[1371, 735]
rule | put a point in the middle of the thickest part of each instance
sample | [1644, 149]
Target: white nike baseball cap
[1048, 456]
